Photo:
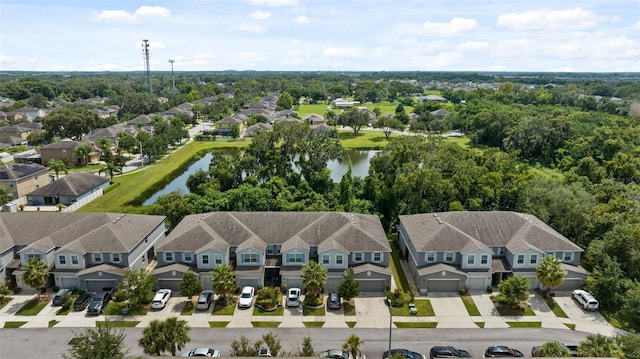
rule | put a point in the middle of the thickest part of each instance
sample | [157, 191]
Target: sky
[321, 35]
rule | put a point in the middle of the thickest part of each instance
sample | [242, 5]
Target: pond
[359, 168]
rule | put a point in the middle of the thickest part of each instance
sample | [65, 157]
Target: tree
[177, 334]
[307, 348]
[629, 309]
[352, 345]
[314, 276]
[630, 344]
[550, 273]
[69, 122]
[126, 142]
[170, 335]
[103, 342]
[82, 152]
[235, 131]
[5, 196]
[514, 289]
[4, 291]
[224, 280]
[272, 342]
[348, 288]
[111, 169]
[57, 166]
[190, 285]
[354, 119]
[36, 273]
[388, 125]
[606, 282]
[553, 349]
[151, 340]
[243, 347]
[598, 345]
[285, 101]
[136, 286]
[174, 206]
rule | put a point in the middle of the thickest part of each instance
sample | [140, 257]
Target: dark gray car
[204, 300]
[98, 303]
[83, 301]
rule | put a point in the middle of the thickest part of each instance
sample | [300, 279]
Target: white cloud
[260, 15]
[274, 2]
[301, 19]
[257, 29]
[570, 19]
[153, 11]
[471, 46]
[124, 16]
[249, 57]
[340, 52]
[457, 25]
[203, 56]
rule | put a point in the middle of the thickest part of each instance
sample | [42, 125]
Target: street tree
[190, 285]
[136, 286]
[36, 273]
[170, 335]
[598, 345]
[102, 342]
[513, 290]
[388, 125]
[272, 342]
[353, 345]
[57, 166]
[307, 348]
[224, 280]
[314, 277]
[550, 273]
[82, 152]
[110, 169]
[553, 349]
[176, 334]
[243, 347]
[348, 288]
[354, 119]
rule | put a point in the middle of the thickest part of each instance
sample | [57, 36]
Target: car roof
[247, 289]
[201, 351]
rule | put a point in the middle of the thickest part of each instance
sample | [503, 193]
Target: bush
[489, 289]
[397, 297]
[268, 297]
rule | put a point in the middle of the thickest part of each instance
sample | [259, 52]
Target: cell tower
[145, 52]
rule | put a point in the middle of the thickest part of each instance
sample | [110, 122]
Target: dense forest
[563, 147]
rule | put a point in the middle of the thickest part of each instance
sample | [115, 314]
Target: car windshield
[246, 295]
[203, 298]
[96, 300]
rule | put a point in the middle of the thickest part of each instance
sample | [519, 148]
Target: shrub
[397, 297]
[489, 289]
[268, 297]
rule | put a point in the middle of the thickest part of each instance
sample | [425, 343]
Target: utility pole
[173, 79]
[145, 52]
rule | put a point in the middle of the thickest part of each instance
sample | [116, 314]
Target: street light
[173, 79]
[390, 326]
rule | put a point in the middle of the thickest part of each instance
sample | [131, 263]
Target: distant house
[142, 120]
[20, 179]
[31, 113]
[223, 127]
[258, 128]
[11, 141]
[175, 111]
[342, 102]
[107, 111]
[65, 150]
[314, 119]
[435, 98]
[322, 129]
[111, 132]
[19, 130]
[439, 114]
[68, 189]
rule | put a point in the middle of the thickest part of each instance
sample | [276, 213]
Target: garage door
[372, 286]
[99, 285]
[173, 284]
[332, 284]
[568, 285]
[69, 283]
[443, 285]
[476, 283]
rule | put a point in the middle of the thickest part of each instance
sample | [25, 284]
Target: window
[168, 256]
[449, 257]
[217, 259]
[250, 258]
[205, 259]
[377, 257]
[33, 256]
[567, 257]
[357, 257]
[431, 257]
[484, 259]
[295, 258]
[326, 259]
[500, 251]
[74, 259]
[188, 256]
[62, 259]
[520, 258]
[533, 259]
[273, 249]
[97, 257]
[115, 257]
[471, 259]
[339, 259]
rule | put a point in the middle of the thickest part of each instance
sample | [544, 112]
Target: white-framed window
[520, 259]
[188, 257]
[168, 256]
[533, 259]
[250, 258]
[273, 249]
[358, 257]
[484, 259]
[377, 257]
[74, 259]
[34, 256]
[97, 257]
[326, 259]
[567, 256]
[205, 259]
[471, 259]
[295, 258]
[115, 257]
[217, 259]
[449, 257]
[430, 257]
[62, 259]
[339, 259]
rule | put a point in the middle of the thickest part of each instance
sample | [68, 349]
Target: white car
[161, 298]
[293, 297]
[201, 352]
[585, 299]
[246, 297]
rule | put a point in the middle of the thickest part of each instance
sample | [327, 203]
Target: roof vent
[119, 218]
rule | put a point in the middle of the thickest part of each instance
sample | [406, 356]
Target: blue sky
[315, 35]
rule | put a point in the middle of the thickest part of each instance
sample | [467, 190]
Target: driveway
[450, 311]
[586, 321]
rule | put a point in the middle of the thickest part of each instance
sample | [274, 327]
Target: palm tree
[105, 145]
[176, 334]
[352, 345]
[111, 169]
[83, 151]
[57, 166]
[314, 276]
[153, 338]
[36, 273]
[598, 345]
[550, 273]
[553, 349]
[224, 280]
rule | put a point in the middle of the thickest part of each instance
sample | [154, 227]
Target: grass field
[416, 324]
[423, 306]
[224, 310]
[218, 324]
[33, 307]
[265, 324]
[524, 324]
[313, 311]
[470, 305]
[313, 324]
[278, 312]
[14, 324]
[118, 323]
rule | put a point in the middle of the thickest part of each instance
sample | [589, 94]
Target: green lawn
[218, 324]
[349, 309]
[313, 311]
[470, 305]
[506, 310]
[613, 317]
[228, 309]
[365, 139]
[398, 274]
[525, 324]
[33, 307]
[305, 110]
[117, 323]
[4, 301]
[265, 324]
[570, 326]
[422, 305]
[313, 324]
[64, 311]
[115, 308]
[556, 309]
[14, 324]
[278, 312]
[53, 323]
[351, 324]
[416, 324]
[479, 324]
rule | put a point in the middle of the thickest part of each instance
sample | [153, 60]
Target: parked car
[58, 299]
[264, 353]
[246, 297]
[201, 352]
[204, 300]
[448, 352]
[333, 301]
[336, 354]
[161, 298]
[293, 297]
[573, 349]
[99, 302]
[585, 299]
[83, 301]
[501, 351]
[405, 353]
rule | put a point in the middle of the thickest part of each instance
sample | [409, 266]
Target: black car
[448, 352]
[99, 302]
[334, 301]
[82, 302]
[405, 353]
[501, 351]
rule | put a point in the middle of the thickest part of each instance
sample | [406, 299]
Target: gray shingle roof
[73, 184]
[62, 145]
[20, 170]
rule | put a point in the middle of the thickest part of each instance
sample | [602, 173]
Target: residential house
[314, 119]
[450, 251]
[65, 150]
[30, 113]
[89, 251]
[68, 189]
[175, 111]
[342, 102]
[258, 128]
[439, 114]
[372, 115]
[271, 247]
[19, 130]
[142, 120]
[107, 111]
[11, 141]
[323, 129]
[223, 126]
[20, 179]
[111, 132]
[435, 98]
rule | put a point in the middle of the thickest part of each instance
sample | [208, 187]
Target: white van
[586, 300]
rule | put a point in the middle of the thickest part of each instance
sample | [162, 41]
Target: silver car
[293, 297]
